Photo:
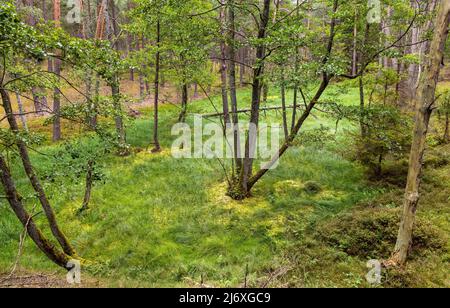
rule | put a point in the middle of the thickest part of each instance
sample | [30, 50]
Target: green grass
[165, 222]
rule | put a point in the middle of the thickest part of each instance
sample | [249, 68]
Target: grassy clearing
[159, 221]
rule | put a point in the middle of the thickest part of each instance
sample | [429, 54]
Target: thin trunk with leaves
[232, 83]
[425, 100]
[27, 221]
[223, 65]
[34, 179]
[309, 107]
[241, 189]
[57, 72]
[156, 145]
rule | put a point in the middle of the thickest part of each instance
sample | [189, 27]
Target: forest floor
[158, 221]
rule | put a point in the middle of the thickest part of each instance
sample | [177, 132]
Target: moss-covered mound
[371, 233]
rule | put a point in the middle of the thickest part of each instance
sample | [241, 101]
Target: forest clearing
[340, 180]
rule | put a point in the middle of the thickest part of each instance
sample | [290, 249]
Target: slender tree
[15, 201]
[35, 182]
[425, 100]
[57, 71]
[156, 145]
[242, 188]
[232, 82]
[223, 63]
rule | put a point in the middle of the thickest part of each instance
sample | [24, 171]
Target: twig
[23, 237]
[218, 114]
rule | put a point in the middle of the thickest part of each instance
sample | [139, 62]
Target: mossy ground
[165, 222]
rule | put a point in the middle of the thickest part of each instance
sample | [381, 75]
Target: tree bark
[223, 65]
[156, 146]
[243, 185]
[22, 116]
[299, 124]
[283, 106]
[425, 99]
[120, 129]
[243, 60]
[15, 201]
[57, 72]
[184, 103]
[362, 107]
[88, 189]
[355, 47]
[141, 46]
[232, 83]
[23, 151]
[447, 128]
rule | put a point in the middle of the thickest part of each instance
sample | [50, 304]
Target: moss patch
[372, 233]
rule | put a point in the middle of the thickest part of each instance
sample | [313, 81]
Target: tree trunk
[362, 107]
[141, 86]
[243, 189]
[15, 201]
[223, 66]
[57, 104]
[57, 71]
[242, 66]
[232, 83]
[294, 104]
[22, 116]
[355, 47]
[299, 124]
[88, 189]
[184, 103]
[23, 151]
[120, 129]
[141, 74]
[425, 99]
[296, 65]
[447, 129]
[97, 93]
[157, 147]
[101, 18]
[44, 10]
[283, 106]
[37, 101]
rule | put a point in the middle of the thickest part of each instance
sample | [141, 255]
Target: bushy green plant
[387, 137]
